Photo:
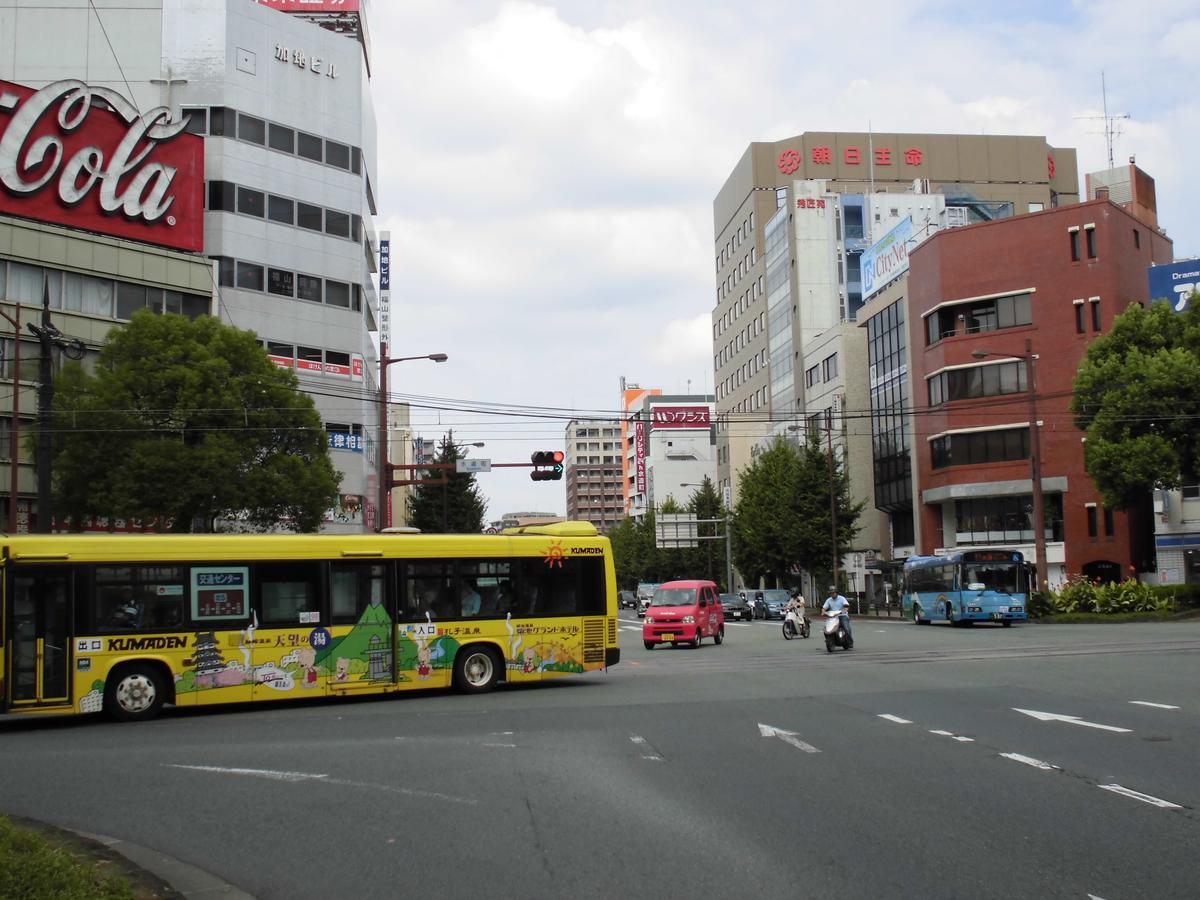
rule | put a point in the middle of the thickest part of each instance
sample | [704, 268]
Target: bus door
[39, 628]
[363, 614]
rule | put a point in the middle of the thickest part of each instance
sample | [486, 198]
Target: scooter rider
[835, 602]
[797, 603]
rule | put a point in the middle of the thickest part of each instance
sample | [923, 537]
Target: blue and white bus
[967, 586]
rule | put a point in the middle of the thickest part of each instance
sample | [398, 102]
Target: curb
[184, 879]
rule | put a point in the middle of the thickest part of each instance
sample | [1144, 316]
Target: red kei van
[684, 612]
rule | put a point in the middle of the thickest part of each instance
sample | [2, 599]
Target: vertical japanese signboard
[639, 455]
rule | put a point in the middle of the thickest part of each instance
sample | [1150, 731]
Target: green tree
[456, 507]
[1136, 394]
[709, 557]
[783, 513]
[187, 421]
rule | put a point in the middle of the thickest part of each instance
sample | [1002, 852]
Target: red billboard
[679, 417]
[316, 6]
[84, 157]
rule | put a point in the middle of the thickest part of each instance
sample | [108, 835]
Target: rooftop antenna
[1112, 121]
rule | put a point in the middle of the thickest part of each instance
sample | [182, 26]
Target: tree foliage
[783, 519]
[1137, 393]
[638, 559]
[188, 421]
[456, 507]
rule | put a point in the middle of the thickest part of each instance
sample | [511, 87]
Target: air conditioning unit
[957, 217]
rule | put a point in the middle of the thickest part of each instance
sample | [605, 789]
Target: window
[252, 129]
[280, 138]
[251, 202]
[1091, 520]
[308, 288]
[829, 368]
[337, 293]
[1137, 238]
[281, 209]
[220, 121]
[1074, 235]
[82, 293]
[281, 351]
[221, 195]
[355, 160]
[30, 360]
[197, 122]
[225, 271]
[353, 589]
[309, 216]
[281, 282]
[979, 316]
[427, 589]
[987, 380]
[309, 146]
[137, 598]
[337, 154]
[1036, 206]
[130, 298]
[310, 358]
[286, 593]
[1091, 242]
[249, 276]
[1108, 522]
[337, 223]
[1191, 491]
[1095, 305]
[1079, 323]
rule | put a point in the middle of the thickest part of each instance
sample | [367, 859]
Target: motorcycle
[796, 623]
[835, 632]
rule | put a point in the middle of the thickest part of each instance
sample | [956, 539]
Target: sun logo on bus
[555, 555]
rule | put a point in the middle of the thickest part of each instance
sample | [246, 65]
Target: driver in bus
[127, 613]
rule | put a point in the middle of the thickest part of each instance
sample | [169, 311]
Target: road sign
[473, 465]
[675, 530]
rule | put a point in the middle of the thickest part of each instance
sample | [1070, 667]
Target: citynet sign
[84, 157]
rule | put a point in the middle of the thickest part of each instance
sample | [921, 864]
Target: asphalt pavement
[1048, 761]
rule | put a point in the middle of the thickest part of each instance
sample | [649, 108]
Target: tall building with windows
[283, 104]
[593, 472]
[977, 298]
[776, 290]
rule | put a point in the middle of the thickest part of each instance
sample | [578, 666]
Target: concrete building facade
[285, 110]
[593, 467]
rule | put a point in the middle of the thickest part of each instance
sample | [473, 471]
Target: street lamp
[14, 432]
[728, 541]
[383, 514]
[1035, 455]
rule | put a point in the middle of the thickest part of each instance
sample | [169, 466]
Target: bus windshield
[998, 577]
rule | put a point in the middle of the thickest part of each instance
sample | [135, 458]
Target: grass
[39, 862]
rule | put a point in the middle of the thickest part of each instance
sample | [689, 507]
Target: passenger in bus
[126, 614]
[469, 598]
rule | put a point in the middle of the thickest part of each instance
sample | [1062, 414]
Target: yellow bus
[126, 623]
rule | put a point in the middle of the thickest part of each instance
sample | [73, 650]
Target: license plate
[997, 615]
[667, 637]
[1002, 609]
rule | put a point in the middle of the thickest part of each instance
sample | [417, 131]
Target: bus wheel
[134, 692]
[475, 670]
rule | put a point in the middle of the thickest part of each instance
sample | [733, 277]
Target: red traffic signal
[553, 459]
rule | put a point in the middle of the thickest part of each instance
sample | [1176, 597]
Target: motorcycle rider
[797, 604]
[835, 602]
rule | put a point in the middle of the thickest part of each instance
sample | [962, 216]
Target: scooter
[795, 623]
[835, 633]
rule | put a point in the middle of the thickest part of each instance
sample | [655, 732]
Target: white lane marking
[951, 734]
[253, 773]
[631, 628]
[896, 719]
[1136, 795]
[637, 739]
[324, 779]
[788, 737]
[1073, 720]
[881, 631]
[653, 758]
[1028, 760]
[641, 742]
[1155, 705]
[495, 744]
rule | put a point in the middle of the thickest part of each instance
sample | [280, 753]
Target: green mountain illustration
[372, 633]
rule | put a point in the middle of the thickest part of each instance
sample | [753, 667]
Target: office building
[592, 467]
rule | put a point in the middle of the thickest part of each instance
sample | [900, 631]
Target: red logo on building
[315, 6]
[789, 161]
[84, 157]
[1050, 164]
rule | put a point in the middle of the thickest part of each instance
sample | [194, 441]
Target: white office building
[286, 110]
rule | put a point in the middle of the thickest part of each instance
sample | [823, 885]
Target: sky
[547, 169]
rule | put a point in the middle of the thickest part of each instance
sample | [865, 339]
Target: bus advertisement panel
[128, 623]
[967, 586]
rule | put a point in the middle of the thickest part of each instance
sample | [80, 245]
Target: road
[1047, 761]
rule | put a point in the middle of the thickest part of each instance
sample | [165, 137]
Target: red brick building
[1050, 281]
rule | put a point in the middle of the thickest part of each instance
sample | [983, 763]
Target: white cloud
[548, 169]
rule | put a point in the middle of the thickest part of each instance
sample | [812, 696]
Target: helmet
[795, 592]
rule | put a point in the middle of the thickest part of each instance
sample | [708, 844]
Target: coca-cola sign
[84, 157]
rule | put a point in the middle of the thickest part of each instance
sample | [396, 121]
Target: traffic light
[552, 459]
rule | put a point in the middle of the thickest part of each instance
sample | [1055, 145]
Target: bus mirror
[976, 586]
